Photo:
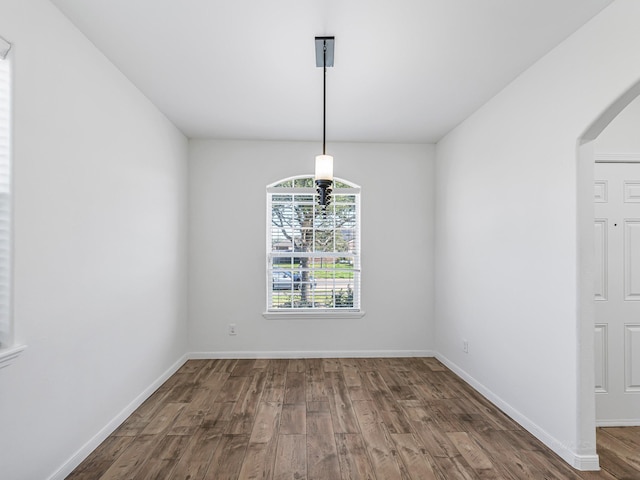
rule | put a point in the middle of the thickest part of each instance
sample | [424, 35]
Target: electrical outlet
[232, 329]
[465, 346]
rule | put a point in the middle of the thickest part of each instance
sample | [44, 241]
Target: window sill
[9, 354]
[313, 315]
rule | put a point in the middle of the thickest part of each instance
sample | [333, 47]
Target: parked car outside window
[283, 280]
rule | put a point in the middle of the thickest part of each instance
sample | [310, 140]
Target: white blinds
[5, 195]
[313, 253]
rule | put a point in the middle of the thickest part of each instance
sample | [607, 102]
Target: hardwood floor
[331, 419]
[619, 450]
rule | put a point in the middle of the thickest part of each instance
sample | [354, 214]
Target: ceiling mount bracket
[320, 58]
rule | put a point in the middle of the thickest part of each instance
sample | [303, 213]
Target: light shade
[324, 167]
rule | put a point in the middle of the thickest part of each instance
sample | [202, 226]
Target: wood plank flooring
[332, 419]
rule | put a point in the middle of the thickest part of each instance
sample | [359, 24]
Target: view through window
[313, 252]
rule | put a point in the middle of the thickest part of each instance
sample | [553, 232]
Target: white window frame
[314, 312]
[8, 350]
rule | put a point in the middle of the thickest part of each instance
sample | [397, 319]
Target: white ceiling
[405, 70]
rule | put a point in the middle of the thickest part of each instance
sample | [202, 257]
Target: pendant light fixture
[324, 162]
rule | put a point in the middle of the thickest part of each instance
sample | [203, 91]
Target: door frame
[615, 159]
[586, 264]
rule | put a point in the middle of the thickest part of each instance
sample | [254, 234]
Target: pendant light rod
[325, 47]
[324, 162]
[324, 98]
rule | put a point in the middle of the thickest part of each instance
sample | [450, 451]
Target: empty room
[319, 239]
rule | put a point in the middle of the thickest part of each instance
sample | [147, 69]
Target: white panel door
[617, 293]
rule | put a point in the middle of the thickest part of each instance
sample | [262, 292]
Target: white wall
[100, 244]
[507, 243]
[227, 279]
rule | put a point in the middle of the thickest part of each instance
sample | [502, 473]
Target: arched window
[313, 253]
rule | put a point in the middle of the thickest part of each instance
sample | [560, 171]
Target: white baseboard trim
[585, 463]
[579, 462]
[634, 422]
[75, 460]
[311, 354]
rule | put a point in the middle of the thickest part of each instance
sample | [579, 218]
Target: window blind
[313, 252]
[5, 195]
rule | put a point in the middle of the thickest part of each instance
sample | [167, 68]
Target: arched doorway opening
[587, 266]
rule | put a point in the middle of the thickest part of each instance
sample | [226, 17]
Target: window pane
[282, 225]
[344, 199]
[283, 262]
[307, 199]
[282, 199]
[303, 228]
[286, 183]
[307, 182]
[324, 241]
[282, 279]
[335, 284]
